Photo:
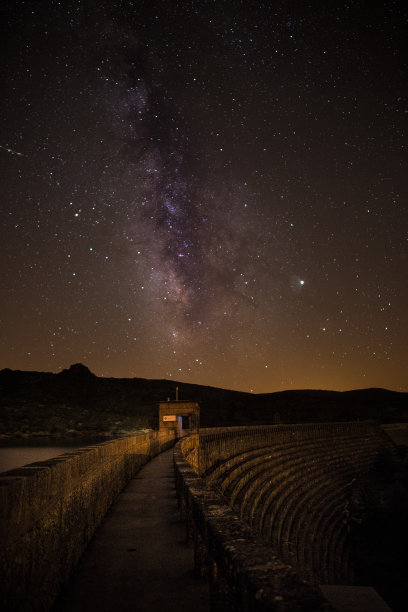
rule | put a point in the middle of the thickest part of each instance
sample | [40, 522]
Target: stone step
[354, 598]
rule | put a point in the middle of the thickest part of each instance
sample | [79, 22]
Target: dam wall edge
[217, 444]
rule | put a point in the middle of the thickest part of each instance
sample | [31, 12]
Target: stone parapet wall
[298, 491]
[190, 447]
[50, 510]
[244, 574]
[218, 444]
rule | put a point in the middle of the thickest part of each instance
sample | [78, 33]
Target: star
[220, 183]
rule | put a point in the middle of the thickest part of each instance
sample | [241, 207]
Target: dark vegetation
[76, 402]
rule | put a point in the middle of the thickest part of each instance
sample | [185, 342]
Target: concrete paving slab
[139, 559]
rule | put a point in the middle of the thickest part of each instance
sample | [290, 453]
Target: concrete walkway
[139, 559]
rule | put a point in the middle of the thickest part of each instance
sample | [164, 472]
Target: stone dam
[272, 513]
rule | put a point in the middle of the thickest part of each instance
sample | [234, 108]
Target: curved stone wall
[291, 485]
[295, 490]
[245, 575]
[219, 444]
[50, 510]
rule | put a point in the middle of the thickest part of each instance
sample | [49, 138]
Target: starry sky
[209, 191]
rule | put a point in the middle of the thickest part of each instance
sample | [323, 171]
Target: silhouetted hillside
[75, 401]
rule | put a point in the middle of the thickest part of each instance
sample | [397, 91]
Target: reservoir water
[17, 453]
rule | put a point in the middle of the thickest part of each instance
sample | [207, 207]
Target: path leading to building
[139, 559]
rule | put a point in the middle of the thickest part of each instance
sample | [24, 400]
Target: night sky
[208, 191]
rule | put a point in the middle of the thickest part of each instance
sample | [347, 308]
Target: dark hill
[76, 401]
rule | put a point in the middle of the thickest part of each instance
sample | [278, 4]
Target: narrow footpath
[139, 559]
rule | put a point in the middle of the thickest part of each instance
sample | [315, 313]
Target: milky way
[213, 192]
